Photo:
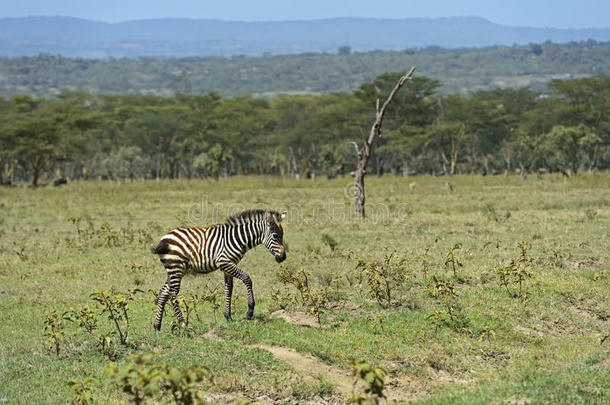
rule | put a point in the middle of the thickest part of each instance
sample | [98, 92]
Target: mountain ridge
[184, 37]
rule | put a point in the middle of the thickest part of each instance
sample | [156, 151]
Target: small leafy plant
[107, 236]
[437, 319]
[190, 304]
[80, 391]
[138, 379]
[117, 308]
[383, 277]
[299, 279]
[84, 317]
[493, 215]
[444, 293]
[375, 322]
[314, 300]
[372, 377]
[183, 385]
[145, 382]
[517, 272]
[53, 330]
[281, 299]
[329, 241]
[87, 319]
[452, 260]
[424, 259]
[487, 333]
[212, 296]
[106, 344]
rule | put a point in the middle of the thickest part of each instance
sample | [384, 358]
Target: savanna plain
[483, 290]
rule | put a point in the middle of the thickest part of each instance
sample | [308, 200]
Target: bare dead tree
[364, 153]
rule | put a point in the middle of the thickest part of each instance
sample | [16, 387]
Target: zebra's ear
[283, 215]
[269, 217]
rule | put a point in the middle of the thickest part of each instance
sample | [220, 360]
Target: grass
[61, 244]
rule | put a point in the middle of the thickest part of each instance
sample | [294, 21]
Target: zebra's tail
[161, 248]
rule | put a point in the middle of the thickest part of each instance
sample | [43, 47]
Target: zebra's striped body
[217, 247]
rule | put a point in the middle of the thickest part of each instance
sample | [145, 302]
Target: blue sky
[539, 13]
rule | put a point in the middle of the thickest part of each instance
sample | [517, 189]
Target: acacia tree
[364, 153]
[42, 133]
[562, 146]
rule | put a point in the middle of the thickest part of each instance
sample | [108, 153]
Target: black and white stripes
[217, 247]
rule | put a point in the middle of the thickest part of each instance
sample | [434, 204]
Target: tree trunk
[359, 197]
[36, 168]
[523, 171]
[455, 148]
[444, 161]
[293, 163]
[313, 162]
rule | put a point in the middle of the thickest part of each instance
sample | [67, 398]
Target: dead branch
[367, 146]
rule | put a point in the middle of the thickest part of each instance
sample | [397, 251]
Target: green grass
[544, 348]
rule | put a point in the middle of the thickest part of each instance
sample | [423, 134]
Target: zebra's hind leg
[163, 297]
[169, 290]
[228, 294]
[174, 285]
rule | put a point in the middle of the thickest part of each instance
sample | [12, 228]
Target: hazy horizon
[517, 13]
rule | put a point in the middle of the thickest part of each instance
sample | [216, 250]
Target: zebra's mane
[248, 216]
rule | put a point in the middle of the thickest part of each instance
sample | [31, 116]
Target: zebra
[217, 247]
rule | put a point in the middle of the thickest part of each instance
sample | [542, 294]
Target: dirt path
[309, 366]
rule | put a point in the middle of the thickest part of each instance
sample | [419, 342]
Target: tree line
[80, 135]
[459, 70]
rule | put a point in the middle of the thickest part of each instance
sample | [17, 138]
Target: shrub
[372, 377]
[452, 260]
[314, 300]
[80, 391]
[84, 317]
[516, 272]
[329, 241]
[144, 381]
[444, 292]
[116, 306]
[53, 330]
[383, 277]
[138, 379]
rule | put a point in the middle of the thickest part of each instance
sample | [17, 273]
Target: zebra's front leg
[228, 294]
[233, 271]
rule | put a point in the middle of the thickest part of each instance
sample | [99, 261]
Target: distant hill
[461, 70]
[73, 37]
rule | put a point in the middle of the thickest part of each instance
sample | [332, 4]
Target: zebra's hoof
[228, 318]
[157, 327]
[249, 315]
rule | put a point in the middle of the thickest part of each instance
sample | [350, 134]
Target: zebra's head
[274, 235]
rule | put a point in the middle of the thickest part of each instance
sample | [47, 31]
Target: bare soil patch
[587, 263]
[411, 387]
[309, 366]
[297, 318]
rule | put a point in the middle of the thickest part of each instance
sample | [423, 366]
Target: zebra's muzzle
[281, 257]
